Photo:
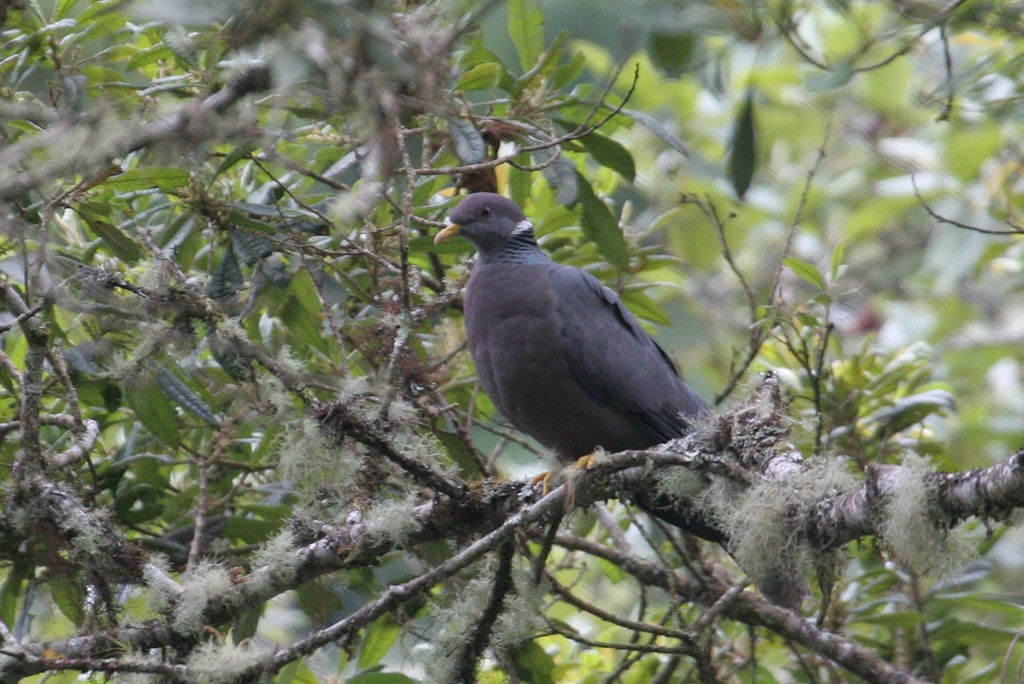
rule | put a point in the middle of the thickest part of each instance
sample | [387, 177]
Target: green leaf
[115, 239]
[644, 307]
[69, 595]
[526, 29]
[913, 409]
[837, 261]
[237, 154]
[519, 184]
[297, 672]
[806, 272]
[902, 619]
[672, 53]
[245, 624]
[19, 571]
[148, 178]
[457, 451]
[601, 227]
[743, 157]
[468, 143]
[481, 77]
[532, 663]
[611, 153]
[380, 678]
[379, 639]
[250, 247]
[153, 409]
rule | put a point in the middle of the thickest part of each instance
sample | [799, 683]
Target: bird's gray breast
[516, 329]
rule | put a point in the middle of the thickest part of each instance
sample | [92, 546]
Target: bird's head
[489, 221]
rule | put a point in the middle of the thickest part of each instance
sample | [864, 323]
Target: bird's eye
[486, 211]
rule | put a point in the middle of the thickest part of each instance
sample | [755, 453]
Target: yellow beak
[447, 232]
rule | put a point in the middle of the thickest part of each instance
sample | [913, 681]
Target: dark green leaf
[153, 409]
[468, 143]
[611, 153]
[457, 451]
[743, 156]
[17, 573]
[519, 184]
[246, 623]
[380, 678]
[672, 53]
[250, 247]
[532, 662]
[119, 244]
[568, 72]
[526, 29]
[601, 227]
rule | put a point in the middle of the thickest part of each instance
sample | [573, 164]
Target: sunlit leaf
[149, 177]
[806, 272]
[526, 29]
[481, 76]
[379, 639]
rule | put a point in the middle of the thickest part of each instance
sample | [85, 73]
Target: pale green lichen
[455, 625]
[909, 527]
[278, 553]
[204, 583]
[314, 463]
[522, 615]
[763, 523]
[521, 618]
[679, 483]
[215, 662]
[163, 590]
[393, 519]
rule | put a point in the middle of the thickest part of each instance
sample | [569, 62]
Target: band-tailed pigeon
[566, 362]
[559, 354]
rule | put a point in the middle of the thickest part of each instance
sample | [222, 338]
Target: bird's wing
[614, 358]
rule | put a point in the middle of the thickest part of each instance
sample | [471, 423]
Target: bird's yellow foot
[545, 480]
[582, 463]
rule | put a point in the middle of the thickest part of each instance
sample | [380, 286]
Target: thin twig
[952, 222]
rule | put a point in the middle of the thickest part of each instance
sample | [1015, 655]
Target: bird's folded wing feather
[620, 365]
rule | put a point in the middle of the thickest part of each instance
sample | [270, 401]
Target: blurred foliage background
[222, 213]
